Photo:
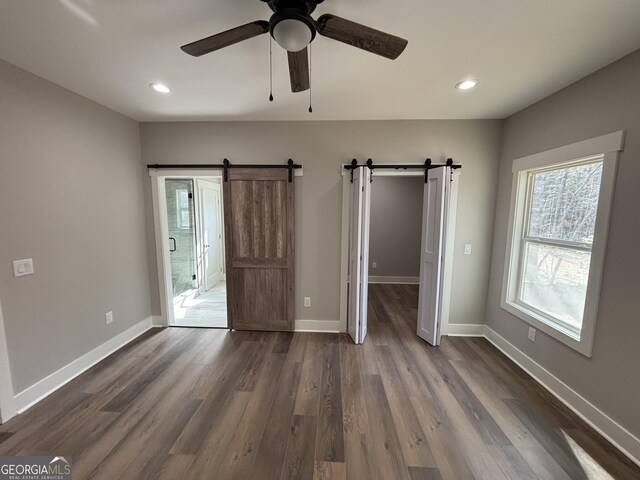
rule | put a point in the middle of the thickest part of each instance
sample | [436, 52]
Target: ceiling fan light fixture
[467, 84]
[293, 32]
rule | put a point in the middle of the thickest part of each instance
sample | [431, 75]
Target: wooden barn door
[258, 215]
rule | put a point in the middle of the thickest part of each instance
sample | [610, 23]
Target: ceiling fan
[293, 28]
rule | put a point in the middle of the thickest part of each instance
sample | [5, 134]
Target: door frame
[448, 248]
[161, 230]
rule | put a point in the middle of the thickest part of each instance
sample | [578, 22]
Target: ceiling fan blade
[361, 36]
[299, 70]
[224, 39]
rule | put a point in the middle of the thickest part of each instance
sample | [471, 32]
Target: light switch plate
[467, 249]
[307, 302]
[23, 267]
[374, 265]
[532, 334]
[108, 318]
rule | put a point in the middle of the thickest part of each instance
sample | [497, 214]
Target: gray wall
[322, 147]
[606, 101]
[396, 226]
[71, 198]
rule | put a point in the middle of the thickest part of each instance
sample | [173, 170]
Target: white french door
[434, 220]
[433, 302]
[358, 272]
[211, 232]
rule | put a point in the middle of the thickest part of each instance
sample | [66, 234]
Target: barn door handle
[174, 244]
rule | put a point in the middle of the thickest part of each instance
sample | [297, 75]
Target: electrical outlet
[467, 249]
[307, 302]
[108, 318]
[374, 264]
[532, 334]
[23, 267]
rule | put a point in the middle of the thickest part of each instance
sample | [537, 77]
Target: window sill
[543, 324]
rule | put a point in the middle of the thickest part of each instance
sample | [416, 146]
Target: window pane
[554, 281]
[564, 203]
[185, 220]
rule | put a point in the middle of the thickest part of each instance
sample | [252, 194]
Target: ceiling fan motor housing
[307, 6]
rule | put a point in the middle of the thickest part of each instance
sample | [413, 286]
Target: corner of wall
[503, 124]
[7, 407]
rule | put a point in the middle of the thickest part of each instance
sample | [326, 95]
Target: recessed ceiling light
[159, 87]
[467, 84]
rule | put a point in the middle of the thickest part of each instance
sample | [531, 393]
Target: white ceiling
[522, 51]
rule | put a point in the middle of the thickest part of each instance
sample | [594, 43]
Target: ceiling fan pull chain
[270, 70]
[310, 58]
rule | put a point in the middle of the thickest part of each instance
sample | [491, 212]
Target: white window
[560, 207]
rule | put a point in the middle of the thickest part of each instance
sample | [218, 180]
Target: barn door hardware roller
[226, 165]
[427, 165]
[352, 167]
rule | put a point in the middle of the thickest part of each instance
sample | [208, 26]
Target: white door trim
[449, 241]
[161, 229]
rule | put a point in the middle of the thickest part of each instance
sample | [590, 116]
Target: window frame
[526, 239]
[605, 147]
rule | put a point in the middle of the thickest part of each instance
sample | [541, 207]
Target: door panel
[182, 234]
[211, 233]
[259, 247]
[259, 228]
[353, 276]
[435, 208]
[262, 302]
[358, 254]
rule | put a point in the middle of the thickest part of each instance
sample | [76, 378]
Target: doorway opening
[395, 230]
[193, 210]
[433, 215]
[254, 226]
[395, 236]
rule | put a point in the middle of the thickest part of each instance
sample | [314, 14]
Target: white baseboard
[619, 436]
[402, 280]
[464, 330]
[328, 326]
[48, 385]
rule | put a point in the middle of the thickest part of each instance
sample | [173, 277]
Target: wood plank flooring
[207, 404]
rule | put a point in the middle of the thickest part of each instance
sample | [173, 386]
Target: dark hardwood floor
[210, 404]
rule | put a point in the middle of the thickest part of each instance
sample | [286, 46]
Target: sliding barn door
[434, 211]
[358, 275]
[258, 211]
